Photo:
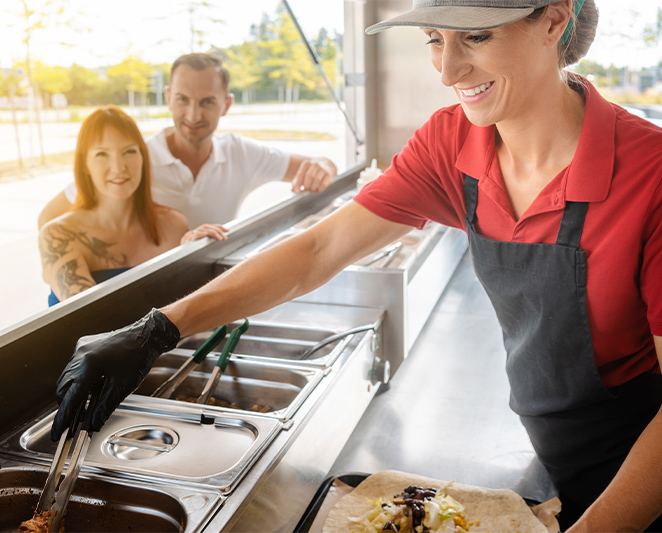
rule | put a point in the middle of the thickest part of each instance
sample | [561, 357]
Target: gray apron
[581, 430]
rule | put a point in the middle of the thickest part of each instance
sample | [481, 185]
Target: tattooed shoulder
[57, 240]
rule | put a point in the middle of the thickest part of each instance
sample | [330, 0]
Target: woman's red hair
[91, 132]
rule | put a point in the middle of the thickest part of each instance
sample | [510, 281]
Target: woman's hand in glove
[123, 357]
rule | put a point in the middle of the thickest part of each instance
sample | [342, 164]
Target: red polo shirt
[617, 169]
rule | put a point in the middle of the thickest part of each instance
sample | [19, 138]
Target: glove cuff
[163, 333]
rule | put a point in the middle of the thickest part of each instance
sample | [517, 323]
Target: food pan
[264, 388]
[183, 445]
[99, 505]
[274, 342]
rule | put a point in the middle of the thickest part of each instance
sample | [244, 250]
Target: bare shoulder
[64, 227]
[172, 222]
[60, 239]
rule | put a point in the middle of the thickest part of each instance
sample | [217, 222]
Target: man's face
[197, 101]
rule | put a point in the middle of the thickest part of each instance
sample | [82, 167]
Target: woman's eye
[435, 41]
[100, 154]
[131, 151]
[478, 38]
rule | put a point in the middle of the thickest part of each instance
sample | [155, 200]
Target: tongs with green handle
[222, 362]
[166, 389]
[55, 495]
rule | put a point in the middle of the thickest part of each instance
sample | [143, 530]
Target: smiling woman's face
[497, 74]
[115, 164]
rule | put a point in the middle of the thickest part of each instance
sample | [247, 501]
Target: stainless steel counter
[445, 414]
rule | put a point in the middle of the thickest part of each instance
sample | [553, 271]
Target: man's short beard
[196, 142]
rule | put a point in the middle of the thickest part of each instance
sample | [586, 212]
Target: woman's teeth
[477, 90]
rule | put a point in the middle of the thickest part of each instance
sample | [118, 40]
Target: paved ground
[23, 292]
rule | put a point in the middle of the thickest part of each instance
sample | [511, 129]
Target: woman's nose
[117, 163]
[454, 64]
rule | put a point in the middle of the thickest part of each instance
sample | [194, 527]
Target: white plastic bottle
[369, 174]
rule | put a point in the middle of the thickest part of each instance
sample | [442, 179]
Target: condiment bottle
[369, 174]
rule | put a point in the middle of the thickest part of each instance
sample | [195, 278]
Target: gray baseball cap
[462, 15]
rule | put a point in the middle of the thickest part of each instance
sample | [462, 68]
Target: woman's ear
[557, 16]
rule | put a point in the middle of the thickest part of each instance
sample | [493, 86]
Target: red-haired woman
[113, 225]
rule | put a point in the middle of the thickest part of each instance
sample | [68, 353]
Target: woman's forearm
[257, 284]
[290, 269]
[634, 497]
[633, 500]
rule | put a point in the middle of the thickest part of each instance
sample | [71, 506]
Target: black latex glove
[123, 357]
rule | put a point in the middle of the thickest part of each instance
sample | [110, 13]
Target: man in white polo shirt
[203, 174]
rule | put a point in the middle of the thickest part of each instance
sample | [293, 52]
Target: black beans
[414, 497]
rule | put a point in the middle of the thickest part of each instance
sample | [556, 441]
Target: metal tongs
[166, 389]
[389, 252]
[222, 362]
[56, 493]
[333, 338]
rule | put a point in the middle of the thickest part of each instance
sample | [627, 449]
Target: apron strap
[572, 224]
[470, 197]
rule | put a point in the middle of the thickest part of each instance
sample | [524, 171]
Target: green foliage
[272, 63]
[53, 80]
[287, 59]
[7, 81]
[653, 32]
[133, 73]
[86, 86]
[275, 62]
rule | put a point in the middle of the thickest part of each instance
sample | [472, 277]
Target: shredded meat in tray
[37, 524]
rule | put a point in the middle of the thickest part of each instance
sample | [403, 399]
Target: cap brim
[454, 18]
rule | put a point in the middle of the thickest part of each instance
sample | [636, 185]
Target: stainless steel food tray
[283, 334]
[245, 384]
[275, 341]
[100, 504]
[166, 444]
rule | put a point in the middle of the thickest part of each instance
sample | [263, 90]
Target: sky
[617, 41]
[117, 27]
[113, 28]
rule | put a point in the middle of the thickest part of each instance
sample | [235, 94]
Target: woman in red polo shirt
[559, 193]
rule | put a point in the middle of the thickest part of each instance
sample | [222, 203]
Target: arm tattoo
[68, 279]
[55, 240]
[54, 243]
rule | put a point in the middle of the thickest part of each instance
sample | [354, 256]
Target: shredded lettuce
[443, 514]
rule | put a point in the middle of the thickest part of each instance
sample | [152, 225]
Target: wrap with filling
[497, 510]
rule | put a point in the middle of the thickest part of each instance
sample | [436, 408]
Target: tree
[327, 50]
[53, 80]
[288, 58]
[590, 68]
[86, 85]
[8, 82]
[243, 63]
[653, 32]
[31, 20]
[135, 75]
[203, 18]
[201, 14]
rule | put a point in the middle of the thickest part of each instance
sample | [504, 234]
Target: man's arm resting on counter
[57, 206]
[633, 500]
[290, 269]
[312, 174]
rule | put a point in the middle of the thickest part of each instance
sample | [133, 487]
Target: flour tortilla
[499, 510]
